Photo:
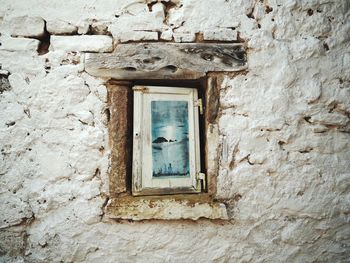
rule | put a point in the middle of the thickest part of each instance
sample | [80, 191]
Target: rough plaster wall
[284, 172]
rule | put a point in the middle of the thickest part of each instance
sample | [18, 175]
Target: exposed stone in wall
[136, 36]
[27, 26]
[137, 17]
[184, 36]
[59, 27]
[4, 83]
[220, 35]
[283, 127]
[19, 44]
[82, 43]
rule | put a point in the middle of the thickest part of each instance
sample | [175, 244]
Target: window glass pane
[170, 144]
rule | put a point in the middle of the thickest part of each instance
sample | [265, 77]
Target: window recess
[132, 70]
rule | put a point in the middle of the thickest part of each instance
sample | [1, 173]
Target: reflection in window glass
[170, 145]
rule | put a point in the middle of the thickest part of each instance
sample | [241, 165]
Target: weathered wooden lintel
[166, 60]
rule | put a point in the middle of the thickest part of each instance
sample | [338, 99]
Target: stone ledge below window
[174, 207]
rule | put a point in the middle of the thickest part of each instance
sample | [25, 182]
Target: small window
[166, 150]
[134, 193]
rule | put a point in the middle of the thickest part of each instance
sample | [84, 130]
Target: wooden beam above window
[166, 60]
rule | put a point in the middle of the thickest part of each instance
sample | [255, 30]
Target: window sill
[173, 207]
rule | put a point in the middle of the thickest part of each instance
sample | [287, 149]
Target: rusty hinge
[140, 88]
[201, 183]
[199, 103]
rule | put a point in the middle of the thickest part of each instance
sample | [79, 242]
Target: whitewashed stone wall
[285, 169]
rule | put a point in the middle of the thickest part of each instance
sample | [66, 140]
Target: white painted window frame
[143, 182]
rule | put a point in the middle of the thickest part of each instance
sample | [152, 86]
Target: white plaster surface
[167, 35]
[82, 43]
[220, 34]
[60, 27]
[18, 44]
[184, 37]
[136, 36]
[284, 129]
[26, 26]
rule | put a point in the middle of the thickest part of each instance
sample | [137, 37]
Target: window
[166, 150]
[167, 192]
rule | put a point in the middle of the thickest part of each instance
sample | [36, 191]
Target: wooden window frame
[143, 183]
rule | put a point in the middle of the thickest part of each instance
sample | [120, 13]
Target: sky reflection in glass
[170, 144]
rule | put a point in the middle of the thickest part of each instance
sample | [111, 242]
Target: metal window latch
[199, 103]
[200, 177]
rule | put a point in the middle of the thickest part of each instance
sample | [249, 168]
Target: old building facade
[280, 135]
